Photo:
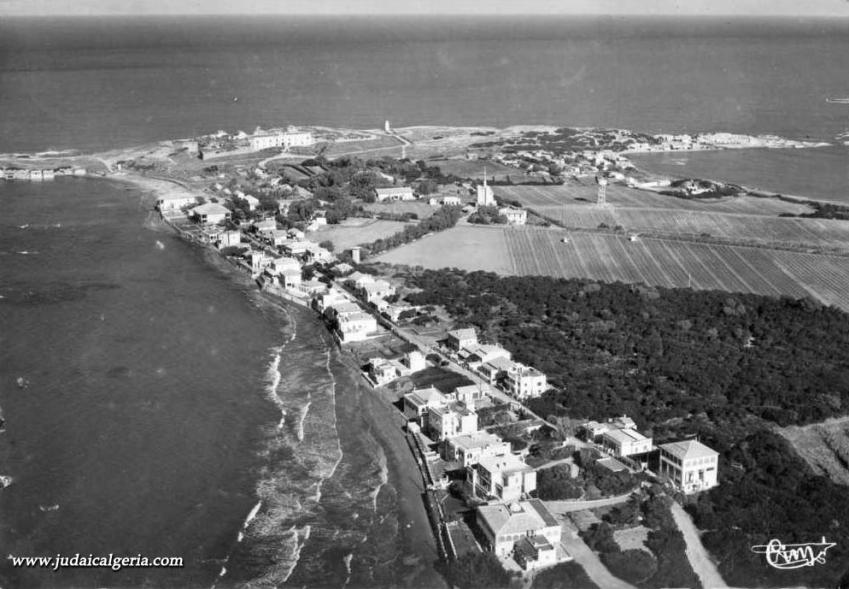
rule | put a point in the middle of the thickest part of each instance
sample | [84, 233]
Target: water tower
[355, 255]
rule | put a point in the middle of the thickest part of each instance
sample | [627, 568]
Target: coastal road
[588, 559]
[697, 555]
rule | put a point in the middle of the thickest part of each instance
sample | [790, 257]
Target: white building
[377, 289]
[253, 202]
[420, 401]
[524, 381]
[513, 215]
[451, 201]
[174, 203]
[535, 552]
[415, 361]
[495, 369]
[394, 193]
[454, 419]
[265, 225]
[503, 526]
[229, 238]
[210, 213]
[479, 354]
[382, 371]
[469, 449]
[356, 327]
[462, 338]
[471, 394]
[505, 478]
[690, 465]
[284, 140]
[625, 442]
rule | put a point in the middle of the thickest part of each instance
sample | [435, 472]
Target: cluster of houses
[512, 524]
[495, 364]
[689, 465]
[39, 175]
[347, 318]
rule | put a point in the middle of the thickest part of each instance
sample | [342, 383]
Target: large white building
[468, 449]
[420, 401]
[462, 338]
[454, 419]
[394, 193]
[525, 381]
[210, 213]
[690, 465]
[505, 478]
[514, 216]
[174, 202]
[284, 140]
[356, 327]
[505, 525]
[625, 442]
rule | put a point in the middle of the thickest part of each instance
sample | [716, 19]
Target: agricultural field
[614, 258]
[824, 446]
[464, 247]
[355, 231]
[576, 193]
[401, 207]
[735, 218]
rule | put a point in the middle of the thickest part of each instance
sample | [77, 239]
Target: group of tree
[487, 215]
[443, 218]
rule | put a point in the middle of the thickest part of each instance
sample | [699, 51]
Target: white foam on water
[383, 477]
[347, 560]
[251, 515]
[304, 410]
[299, 540]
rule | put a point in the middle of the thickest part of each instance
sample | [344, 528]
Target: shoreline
[414, 530]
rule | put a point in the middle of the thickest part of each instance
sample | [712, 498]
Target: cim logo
[793, 556]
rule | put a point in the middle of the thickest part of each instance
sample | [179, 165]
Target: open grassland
[356, 231]
[387, 145]
[613, 258]
[467, 248]
[824, 446]
[401, 207]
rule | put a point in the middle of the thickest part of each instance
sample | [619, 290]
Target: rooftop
[479, 439]
[506, 463]
[624, 436]
[466, 333]
[689, 449]
[518, 518]
[426, 396]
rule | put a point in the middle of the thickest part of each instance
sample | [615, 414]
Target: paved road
[588, 559]
[696, 553]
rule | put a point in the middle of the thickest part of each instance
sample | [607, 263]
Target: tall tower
[387, 127]
[485, 196]
[601, 198]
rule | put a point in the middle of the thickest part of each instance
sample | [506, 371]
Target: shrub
[633, 566]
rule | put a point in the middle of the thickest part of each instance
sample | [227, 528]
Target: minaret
[601, 199]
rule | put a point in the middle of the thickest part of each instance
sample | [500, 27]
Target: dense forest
[728, 368]
[717, 360]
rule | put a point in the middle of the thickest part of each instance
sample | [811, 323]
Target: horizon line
[436, 14]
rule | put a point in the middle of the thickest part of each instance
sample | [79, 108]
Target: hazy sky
[611, 7]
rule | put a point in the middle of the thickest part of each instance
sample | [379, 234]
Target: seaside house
[253, 202]
[689, 465]
[420, 401]
[625, 442]
[525, 382]
[449, 201]
[495, 369]
[170, 203]
[471, 394]
[358, 280]
[478, 354]
[461, 338]
[382, 371]
[453, 419]
[414, 361]
[504, 478]
[502, 526]
[378, 289]
[356, 327]
[229, 239]
[323, 302]
[469, 449]
[394, 193]
[210, 213]
[513, 215]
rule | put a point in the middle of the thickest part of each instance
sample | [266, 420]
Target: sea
[156, 404]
